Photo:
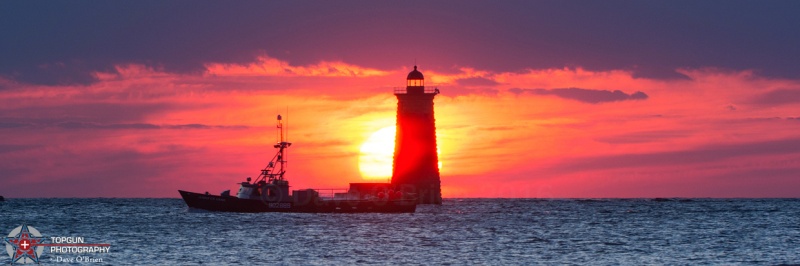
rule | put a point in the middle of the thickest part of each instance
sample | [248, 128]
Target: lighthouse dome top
[415, 74]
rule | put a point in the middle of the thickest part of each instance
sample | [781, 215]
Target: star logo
[23, 244]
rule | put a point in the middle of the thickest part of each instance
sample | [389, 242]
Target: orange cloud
[267, 66]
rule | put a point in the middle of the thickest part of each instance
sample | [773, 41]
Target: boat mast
[277, 166]
[282, 145]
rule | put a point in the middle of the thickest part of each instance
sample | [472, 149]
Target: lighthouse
[416, 162]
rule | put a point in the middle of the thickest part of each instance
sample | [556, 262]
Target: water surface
[461, 231]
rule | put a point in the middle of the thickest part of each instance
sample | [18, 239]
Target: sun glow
[375, 161]
[377, 155]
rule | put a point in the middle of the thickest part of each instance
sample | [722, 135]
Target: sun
[375, 160]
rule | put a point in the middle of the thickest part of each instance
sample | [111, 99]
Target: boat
[270, 192]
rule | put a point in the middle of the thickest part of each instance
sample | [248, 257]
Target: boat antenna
[287, 123]
[287, 134]
[279, 132]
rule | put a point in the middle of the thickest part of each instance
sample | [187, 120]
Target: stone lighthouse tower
[416, 163]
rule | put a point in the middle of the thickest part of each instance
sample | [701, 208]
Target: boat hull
[234, 204]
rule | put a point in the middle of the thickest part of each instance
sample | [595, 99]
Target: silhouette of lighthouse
[416, 162]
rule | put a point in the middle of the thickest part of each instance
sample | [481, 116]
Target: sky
[550, 99]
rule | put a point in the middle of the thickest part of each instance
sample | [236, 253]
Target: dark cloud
[703, 154]
[476, 82]
[103, 173]
[585, 95]
[459, 91]
[97, 112]
[83, 125]
[778, 97]
[499, 128]
[6, 148]
[98, 115]
[14, 124]
[763, 174]
[63, 42]
[645, 136]
[759, 181]
[90, 125]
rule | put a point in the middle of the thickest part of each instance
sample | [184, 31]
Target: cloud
[585, 95]
[500, 128]
[702, 154]
[121, 172]
[92, 125]
[777, 97]
[6, 148]
[267, 66]
[132, 111]
[644, 136]
[85, 125]
[64, 43]
[14, 124]
[52, 111]
[476, 82]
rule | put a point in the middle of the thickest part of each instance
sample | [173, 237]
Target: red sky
[704, 119]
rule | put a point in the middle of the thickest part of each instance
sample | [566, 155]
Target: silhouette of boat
[270, 193]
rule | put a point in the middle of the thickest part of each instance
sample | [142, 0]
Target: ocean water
[461, 231]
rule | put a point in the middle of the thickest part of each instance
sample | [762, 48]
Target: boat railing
[426, 90]
[330, 193]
